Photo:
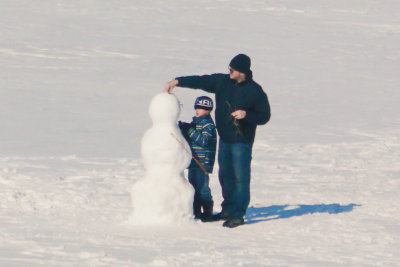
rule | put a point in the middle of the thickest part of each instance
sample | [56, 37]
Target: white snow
[76, 79]
[163, 195]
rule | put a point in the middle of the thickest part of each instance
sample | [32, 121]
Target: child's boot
[197, 209]
[207, 215]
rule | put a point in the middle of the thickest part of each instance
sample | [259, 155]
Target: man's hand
[238, 114]
[169, 86]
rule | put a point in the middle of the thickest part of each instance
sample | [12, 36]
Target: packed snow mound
[163, 196]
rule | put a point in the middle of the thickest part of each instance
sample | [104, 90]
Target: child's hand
[239, 114]
[184, 126]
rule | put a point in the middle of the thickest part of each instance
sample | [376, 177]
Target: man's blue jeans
[234, 176]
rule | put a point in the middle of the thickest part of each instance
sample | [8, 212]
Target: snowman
[163, 195]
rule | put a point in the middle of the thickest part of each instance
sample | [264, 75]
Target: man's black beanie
[241, 63]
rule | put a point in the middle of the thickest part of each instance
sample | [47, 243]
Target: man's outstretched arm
[207, 83]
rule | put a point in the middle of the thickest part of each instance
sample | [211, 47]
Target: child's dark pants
[202, 195]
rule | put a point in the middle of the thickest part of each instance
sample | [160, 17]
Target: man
[241, 105]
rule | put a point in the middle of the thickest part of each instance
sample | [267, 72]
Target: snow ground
[76, 78]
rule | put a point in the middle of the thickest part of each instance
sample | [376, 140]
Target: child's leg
[193, 179]
[205, 194]
[205, 191]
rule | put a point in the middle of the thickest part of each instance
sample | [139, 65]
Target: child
[202, 138]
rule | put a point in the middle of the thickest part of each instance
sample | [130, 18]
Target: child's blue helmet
[204, 102]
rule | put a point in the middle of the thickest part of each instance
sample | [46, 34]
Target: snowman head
[164, 108]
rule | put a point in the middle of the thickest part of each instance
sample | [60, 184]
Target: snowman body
[163, 195]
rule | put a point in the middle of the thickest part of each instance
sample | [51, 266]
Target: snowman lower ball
[163, 195]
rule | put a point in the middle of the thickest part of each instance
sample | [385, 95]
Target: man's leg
[226, 175]
[241, 158]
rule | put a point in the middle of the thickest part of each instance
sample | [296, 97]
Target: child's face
[201, 112]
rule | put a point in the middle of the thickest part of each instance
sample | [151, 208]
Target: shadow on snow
[262, 214]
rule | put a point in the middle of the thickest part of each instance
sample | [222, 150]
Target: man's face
[233, 74]
[201, 112]
[236, 75]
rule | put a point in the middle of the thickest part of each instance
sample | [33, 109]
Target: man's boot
[232, 223]
[221, 216]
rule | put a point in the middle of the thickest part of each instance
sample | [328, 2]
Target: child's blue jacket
[201, 135]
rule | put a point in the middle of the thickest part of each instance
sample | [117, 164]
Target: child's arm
[184, 127]
[202, 137]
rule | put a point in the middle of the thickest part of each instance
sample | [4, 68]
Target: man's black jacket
[231, 96]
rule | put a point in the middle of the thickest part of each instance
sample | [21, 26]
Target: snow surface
[76, 79]
[163, 195]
